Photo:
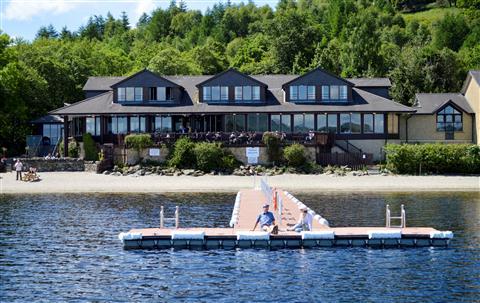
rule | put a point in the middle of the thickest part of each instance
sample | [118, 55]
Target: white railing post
[177, 221]
[387, 216]
[161, 216]
[404, 217]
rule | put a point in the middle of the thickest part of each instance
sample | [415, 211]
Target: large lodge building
[356, 113]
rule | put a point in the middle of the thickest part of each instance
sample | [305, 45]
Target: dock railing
[402, 218]
[176, 218]
[266, 190]
[269, 193]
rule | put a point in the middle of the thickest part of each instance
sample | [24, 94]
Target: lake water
[65, 248]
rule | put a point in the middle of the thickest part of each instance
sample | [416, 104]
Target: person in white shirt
[18, 168]
[304, 223]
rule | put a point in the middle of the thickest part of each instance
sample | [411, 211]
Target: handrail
[266, 190]
[402, 218]
[348, 147]
[176, 218]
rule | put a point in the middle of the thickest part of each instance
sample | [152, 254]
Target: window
[332, 123]
[309, 122]
[280, 123]
[302, 92]
[93, 125]
[138, 93]
[322, 123]
[162, 124]
[449, 119]
[286, 123]
[311, 92]
[239, 123]
[152, 93]
[293, 92]
[118, 125]
[257, 122]
[234, 123]
[325, 92]
[334, 92]
[161, 94]
[256, 93]
[368, 123]
[121, 94]
[238, 93]
[52, 131]
[379, 123]
[224, 93]
[247, 93]
[355, 123]
[130, 94]
[207, 93]
[303, 123]
[343, 92]
[215, 93]
[298, 124]
[345, 123]
[137, 124]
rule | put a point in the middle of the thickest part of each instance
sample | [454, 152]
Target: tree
[47, 32]
[450, 32]
[169, 61]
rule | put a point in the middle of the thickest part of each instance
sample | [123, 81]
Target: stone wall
[239, 153]
[131, 156]
[42, 165]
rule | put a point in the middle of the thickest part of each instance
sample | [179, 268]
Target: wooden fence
[355, 161]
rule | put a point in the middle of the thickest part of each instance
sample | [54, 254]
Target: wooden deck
[250, 205]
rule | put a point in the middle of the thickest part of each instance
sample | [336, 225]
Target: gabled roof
[142, 72]
[231, 69]
[472, 74]
[101, 83]
[429, 103]
[370, 82]
[321, 70]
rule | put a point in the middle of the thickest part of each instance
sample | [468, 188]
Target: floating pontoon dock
[286, 208]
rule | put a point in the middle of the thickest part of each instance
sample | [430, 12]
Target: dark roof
[141, 72]
[101, 83]
[370, 82]
[209, 78]
[48, 119]
[321, 70]
[431, 103]
[473, 74]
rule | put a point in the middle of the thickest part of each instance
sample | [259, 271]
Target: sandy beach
[84, 182]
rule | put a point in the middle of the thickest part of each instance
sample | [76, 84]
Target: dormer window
[130, 94]
[247, 93]
[334, 92]
[302, 92]
[215, 93]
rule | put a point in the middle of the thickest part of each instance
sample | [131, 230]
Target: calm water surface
[64, 248]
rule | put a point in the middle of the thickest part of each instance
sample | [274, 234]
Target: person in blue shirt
[267, 221]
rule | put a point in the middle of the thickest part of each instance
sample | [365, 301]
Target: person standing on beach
[18, 168]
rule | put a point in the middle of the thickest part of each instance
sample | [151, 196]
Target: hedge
[295, 155]
[208, 156]
[433, 158]
[138, 141]
[89, 147]
[182, 155]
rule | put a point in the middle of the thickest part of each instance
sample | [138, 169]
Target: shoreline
[86, 182]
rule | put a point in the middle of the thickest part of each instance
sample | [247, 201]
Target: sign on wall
[154, 152]
[252, 154]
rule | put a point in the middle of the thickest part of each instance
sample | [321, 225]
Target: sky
[23, 18]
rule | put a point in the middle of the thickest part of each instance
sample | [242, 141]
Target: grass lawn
[430, 16]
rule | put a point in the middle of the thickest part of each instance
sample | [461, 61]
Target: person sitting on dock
[304, 223]
[267, 221]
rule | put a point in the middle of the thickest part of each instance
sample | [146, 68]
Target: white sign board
[252, 160]
[154, 152]
[252, 152]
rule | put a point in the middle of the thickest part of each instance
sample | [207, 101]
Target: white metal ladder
[176, 218]
[402, 218]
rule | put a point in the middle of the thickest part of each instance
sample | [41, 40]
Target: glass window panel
[458, 118]
[207, 93]
[215, 93]
[311, 92]
[130, 94]
[322, 123]
[456, 111]
[134, 124]
[97, 126]
[293, 92]
[379, 123]
[355, 125]
[90, 121]
[113, 125]
[302, 92]
[448, 118]
[368, 123]
[142, 124]
[332, 123]
[161, 95]
[343, 92]
[157, 123]
[309, 122]
[298, 124]
[334, 92]
[440, 118]
[448, 110]
[275, 124]
[252, 122]
[224, 93]
[229, 123]
[345, 123]
[138, 93]
[286, 124]
[325, 92]
[262, 122]
[458, 126]
[256, 92]
[46, 130]
[121, 93]
[167, 124]
[238, 92]
[247, 93]
[240, 123]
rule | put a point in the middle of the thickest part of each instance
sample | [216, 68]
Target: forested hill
[347, 37]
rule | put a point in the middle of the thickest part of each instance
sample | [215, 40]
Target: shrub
[73, 150]
[433, 158]
[138, 141]
[90, 148]
[229, 162]
[272, 142]
[295, 155]
[182, 155]
[208, 156]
